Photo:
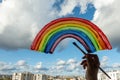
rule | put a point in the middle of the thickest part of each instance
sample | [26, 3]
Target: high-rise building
[114, 74]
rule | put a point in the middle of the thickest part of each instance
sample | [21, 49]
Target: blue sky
[17, 34]
[0, 1]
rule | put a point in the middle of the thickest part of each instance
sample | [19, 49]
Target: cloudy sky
[21, 20]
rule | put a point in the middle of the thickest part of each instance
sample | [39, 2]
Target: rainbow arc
[87, 33]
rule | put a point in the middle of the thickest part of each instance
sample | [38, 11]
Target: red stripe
[102, 35]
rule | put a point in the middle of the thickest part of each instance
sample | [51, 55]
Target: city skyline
[20, 21]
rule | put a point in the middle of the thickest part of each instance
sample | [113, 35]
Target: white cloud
[68, 6]
[38, 65]
[63, 67]
[21, 63]
[116, 65]
[58, 67]
[21, 66]
[102, 3]
[38, 68]
[105, 58]
[55, 69]
[61, 62]
[6, 68]
[104, 61]
[71, 68]
[71, 61]
[73, 65]
[107, 18]
[20, 20]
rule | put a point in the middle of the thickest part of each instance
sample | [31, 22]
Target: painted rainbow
[87, 33]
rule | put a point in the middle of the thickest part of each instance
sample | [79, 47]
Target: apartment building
[114, 74]
[29, 76]
[22, 76]
[40, 77]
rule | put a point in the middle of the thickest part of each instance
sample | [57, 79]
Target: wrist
[91, 75]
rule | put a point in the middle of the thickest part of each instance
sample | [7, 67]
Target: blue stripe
[78, 33]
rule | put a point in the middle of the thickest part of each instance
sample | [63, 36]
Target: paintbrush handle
[85, 54]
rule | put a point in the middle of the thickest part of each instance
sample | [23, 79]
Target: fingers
[91, 61]
[84, 63]
[90, 58]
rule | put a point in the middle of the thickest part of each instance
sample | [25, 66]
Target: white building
[40, 77]
[114, 74]
[22, 76]
[29, 76]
